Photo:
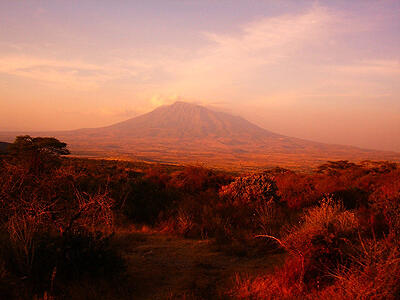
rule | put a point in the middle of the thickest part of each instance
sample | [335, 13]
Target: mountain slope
[184, 120]
[189, 133]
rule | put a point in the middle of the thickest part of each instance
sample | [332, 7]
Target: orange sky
[326, 70]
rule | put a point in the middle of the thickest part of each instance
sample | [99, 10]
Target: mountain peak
[183, 103]
[189, 121]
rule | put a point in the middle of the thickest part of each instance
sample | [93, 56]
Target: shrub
[146, 200]
[317, 246]
[48, 229]
[56, 260]
[297, 190]
[374, 274]
[323, 240]
[194, 179]
[258, 188]
[385, 201]
[352, 198]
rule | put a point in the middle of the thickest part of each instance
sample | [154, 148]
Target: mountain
[184, 121]
[189, 133]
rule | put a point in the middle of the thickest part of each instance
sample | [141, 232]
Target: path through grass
[161, 266]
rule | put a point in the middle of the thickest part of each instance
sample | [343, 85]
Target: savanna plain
[75, 228]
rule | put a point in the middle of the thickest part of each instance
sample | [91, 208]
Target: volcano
[190, 133]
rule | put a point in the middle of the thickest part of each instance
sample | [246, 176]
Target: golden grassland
[112, 229]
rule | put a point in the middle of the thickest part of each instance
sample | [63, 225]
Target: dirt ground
[162, 266]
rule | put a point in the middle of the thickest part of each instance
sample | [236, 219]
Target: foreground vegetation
[66, 225]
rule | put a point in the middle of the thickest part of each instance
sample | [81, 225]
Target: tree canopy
[38, 152]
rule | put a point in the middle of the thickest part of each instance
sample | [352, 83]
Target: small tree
[39, 153]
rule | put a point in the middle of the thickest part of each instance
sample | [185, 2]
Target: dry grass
[328, 218]
[314, 253]
[336, 247]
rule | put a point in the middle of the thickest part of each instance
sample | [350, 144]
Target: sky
[327, 71]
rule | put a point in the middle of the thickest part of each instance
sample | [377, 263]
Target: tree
[39, 153]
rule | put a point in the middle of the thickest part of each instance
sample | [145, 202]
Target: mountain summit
[187, 121]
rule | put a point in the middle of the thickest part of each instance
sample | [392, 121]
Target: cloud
[270, 40]
[67, 73]
[224, 59]
[158, 100]
[389, 67]
[256, 51]
[71, 73]
[279, 57]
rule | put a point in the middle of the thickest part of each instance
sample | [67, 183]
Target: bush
[323, 241]
[48, 230]
[146, 200]
[385, 202]
[258, 188]
[374, 273]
